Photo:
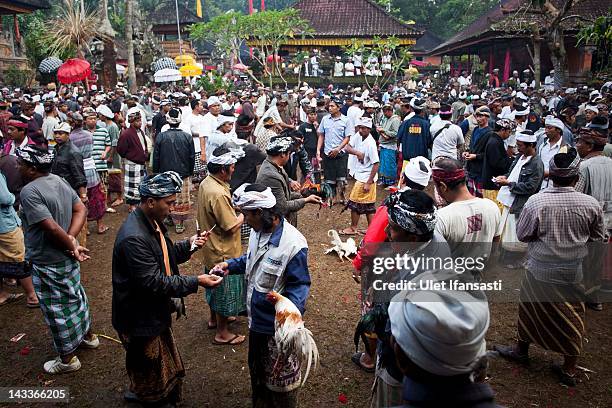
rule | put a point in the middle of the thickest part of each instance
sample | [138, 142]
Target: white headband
[253, 200]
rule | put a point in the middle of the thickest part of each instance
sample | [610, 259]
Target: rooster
[290, 335]
[343, 249]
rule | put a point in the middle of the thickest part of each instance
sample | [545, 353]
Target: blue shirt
[477, 134]
[8, 217]
[415, 137]
[334, 131]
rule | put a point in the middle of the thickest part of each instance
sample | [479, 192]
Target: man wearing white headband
[277, 259]
[216, 214]
[362, 199]
[550, 145]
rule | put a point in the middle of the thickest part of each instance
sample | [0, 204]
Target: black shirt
[68, 164]
[245, 170]
[309, 133]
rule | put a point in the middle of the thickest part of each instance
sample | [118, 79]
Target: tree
[109, 71]
[268, 31]
[598, 35]
[129, 38]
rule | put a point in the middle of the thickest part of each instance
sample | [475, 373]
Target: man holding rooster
[276, 260]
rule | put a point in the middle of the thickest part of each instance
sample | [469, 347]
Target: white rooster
[290, 335]
[343, 249]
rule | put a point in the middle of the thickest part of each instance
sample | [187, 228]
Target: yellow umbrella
[190, 70]
[185, 59]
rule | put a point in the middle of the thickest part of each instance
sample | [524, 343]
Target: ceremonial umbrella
[73, 70]
[185, 59]
[164, 63]
[240, 67]
[190, 70]
[167, 75]
[50, 65]
[418, 63]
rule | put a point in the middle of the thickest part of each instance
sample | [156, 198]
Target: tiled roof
[165, 14]
[503, 20]
[352, 18]
[23, 4]
[427, 42]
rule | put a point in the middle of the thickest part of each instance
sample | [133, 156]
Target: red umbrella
[418, 63]
[73, 70]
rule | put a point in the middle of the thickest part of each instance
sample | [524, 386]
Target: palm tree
[129, 37]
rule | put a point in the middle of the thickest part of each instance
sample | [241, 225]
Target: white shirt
[463, 81]
[362, 169]
[469, 226]
[357, 60]
[349, 69]
[353, 114]
[505, 196]
[338, 68]
[217, 139]
[546, 152]
[260, 105]
[445, 144]
[49, 124]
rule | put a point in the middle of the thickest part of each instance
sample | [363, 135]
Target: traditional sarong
[96, 203]
[12, 254]
[360, 201]
[245, 232]
[492, 195]
[388, 166]
[475, 187]
[275, 379]
[509, 240]
[182, 207]
[200, 170]
[115, 184]
[386, 395]
[154, 367]
[133, 176]
[63, 303]
[227, 299]
[557, 325]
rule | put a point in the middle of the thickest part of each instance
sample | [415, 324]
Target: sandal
[33, 305]
[111, 210]
[230, 342]
[348, 231]
[12, 298]
[117, 203]
[10, 282]
[356, 358]
[564, 377]
[598, 307]
[103, 230]
[509, 353]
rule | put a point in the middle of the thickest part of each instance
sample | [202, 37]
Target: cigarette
[210, 230]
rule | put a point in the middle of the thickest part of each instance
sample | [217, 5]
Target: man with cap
[388, 129]
[494, 78]
[522, 180]
[550, 145]
[32, 119]
[349, 68]
[132, 147]
[362, 199]
[354, 112]
[475, 153]
[334, 133]
[272, 174]
[114, 183]
[438, 339]
[261, 103]
[159, 119]
[447, 137]
[308, 130]
[223, 133]
[413, 136]
[595, 180]
[209, 125]
[53, 216]
[338, 67]
[5, 115]
[16, 136]
[215, 212]
[148, 289]
[276, 259]
[458, 108]
[68, 161]
[49, 122]
[468, 223]
[174, 151]
[549, 81]
[495, 159]
[557, 224]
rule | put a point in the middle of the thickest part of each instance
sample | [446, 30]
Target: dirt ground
[217, 376]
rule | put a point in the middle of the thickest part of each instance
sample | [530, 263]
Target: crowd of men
[461, 166]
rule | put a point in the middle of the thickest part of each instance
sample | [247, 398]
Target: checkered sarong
[134, 173]
[63, 302]
[245, 232]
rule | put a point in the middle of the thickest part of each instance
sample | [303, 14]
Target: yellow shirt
[215, 207]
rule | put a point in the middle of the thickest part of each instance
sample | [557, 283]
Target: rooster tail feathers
[307, 350]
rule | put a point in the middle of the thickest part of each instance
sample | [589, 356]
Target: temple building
[166, 29]
[501, 37]
[12, 49]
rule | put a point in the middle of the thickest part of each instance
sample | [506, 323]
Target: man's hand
[314, 199]
[360, 156]
[501, 180]
[80, 253]
[334, 152]
[203, 158]
[295, 186]
[199, 241]
[319, 157]
[209, 281]
[221, 267]
[469, 156]
[367, 186]
[84, 199]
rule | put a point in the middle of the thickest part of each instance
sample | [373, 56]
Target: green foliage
[226, 31]
[37, 41]
[599, 32]
[213, 82]
[15, 77]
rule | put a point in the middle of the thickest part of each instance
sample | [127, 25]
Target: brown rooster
[290, 335]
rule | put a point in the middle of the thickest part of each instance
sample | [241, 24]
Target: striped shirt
[101, 140]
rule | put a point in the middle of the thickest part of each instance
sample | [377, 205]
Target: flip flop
[33, 305]
[356, 358]
[12, 298]
[117, 203]
[344, 232]
[509, 353]
[229, 342]
[111, 210]
[103, 230]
